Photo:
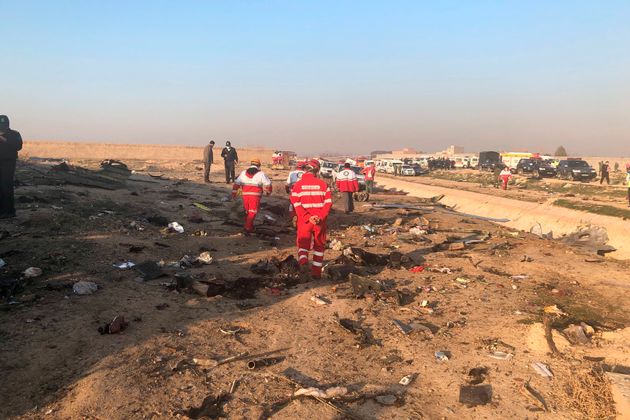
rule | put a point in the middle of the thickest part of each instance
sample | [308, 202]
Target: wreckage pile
[423, 312]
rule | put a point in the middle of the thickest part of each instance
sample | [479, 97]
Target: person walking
[253, 183]
[505, 176]
[369, 172]
[312, 200]
[10, 144]
[292, 179]
[347, 184]
[230, 158]
[605, 173]
[208, 160]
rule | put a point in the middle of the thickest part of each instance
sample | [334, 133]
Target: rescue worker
[397, 169]
[369, 172]
[605, 173]
[312, 200]
[230, 158]
[628, 182]
[505, 176]
[347, 184]
[208, 160]
[10, 144]
[294, 176]
[253, 182]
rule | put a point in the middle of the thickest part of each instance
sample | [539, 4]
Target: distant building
[405, 151]
[451, 151]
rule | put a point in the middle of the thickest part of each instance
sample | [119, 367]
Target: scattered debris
[386, 399]
[205, 258]
[473, 395]
[84, 287]
[149, 270]
[542, 369]
[211, 407]
[335, 245]
[336, 391]
[117, 325]
[406, 380]
[175, 227]
[575, 334]
[125, 265]
[477, 375]
[320, 300]
[501, 355]
[535, 396]
[32, 272]
[269, 361]
[442, 356]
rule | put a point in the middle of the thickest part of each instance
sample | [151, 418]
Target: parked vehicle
[357, 170]
[536, 167]
[327, 168]
[576, 169]
[407, 170]
[488, 161]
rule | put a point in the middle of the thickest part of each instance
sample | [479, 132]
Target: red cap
[313, 163]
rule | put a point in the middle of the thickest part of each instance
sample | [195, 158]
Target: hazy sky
[315, 76]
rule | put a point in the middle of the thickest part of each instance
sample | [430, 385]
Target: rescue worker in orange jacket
[312, 200]
[347, 184]
[253, 182]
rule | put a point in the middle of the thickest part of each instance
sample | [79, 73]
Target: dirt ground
[472, 302]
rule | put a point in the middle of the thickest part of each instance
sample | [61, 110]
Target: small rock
[84, 287]
[575, 334]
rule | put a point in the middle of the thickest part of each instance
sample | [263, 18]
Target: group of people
[230, 160]
[311, 201]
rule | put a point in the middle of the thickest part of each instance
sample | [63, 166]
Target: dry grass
[588, 393]
[100, 151]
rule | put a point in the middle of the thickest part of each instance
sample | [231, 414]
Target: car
[356, 169]
[407, 170]
[536, 167]
[327, 168]
[576, 169]
[489, 161]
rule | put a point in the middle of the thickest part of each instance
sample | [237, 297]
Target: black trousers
[605, 176]
[7, 180]
[206, 171]
[230, 176]
[348, 202]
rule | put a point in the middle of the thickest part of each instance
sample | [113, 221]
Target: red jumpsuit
[505, 178]
[253, 182]
[311, 197]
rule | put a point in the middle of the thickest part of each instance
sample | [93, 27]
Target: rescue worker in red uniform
[294, 176]
[347, 184]
[312, 200]
[253, 182]
[369, 172]
[505, 176]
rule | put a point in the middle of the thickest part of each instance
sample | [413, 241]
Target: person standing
[230, 158]
[208, 160]
[10, 144]
[369, 172]
[347, 185]
[628, 183]
[312, 200]
[605, 173]
[253, 182]
[505, 176]
[292, 179]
